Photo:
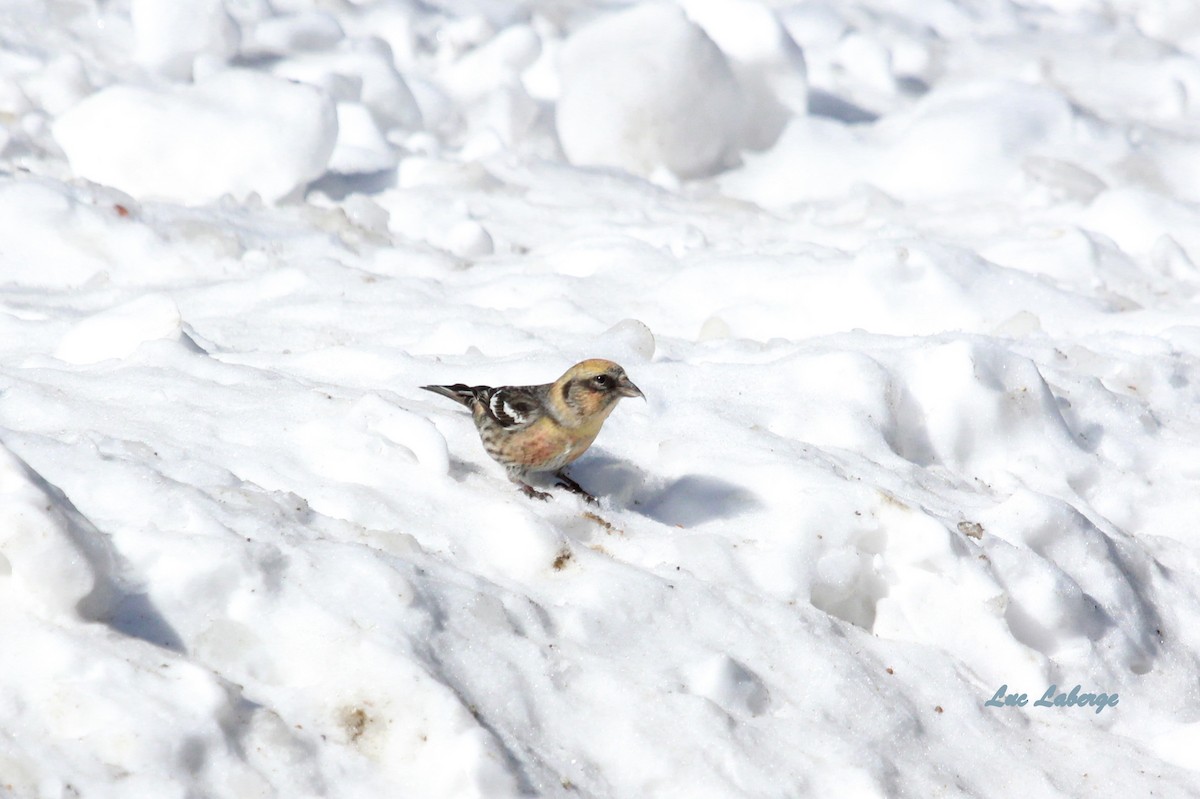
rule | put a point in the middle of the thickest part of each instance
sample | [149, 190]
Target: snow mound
[363, 446]
[194, 144]
[767, 62]
[90, 234]
[117, 332]
[66, 679]
[646, 89]
[956, 140]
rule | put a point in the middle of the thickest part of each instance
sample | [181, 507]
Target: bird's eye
[602, 381]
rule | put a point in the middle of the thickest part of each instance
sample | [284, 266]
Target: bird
[537, 429]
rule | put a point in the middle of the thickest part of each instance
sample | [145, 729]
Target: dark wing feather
[515, 406]
[461, 393]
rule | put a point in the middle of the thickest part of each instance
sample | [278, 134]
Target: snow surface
[910, 287]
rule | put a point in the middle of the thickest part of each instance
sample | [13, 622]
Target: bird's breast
[547, 447]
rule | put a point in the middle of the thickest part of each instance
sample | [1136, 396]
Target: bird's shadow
[135, 615]
[686, 501]
[460, 470]
[113, 601]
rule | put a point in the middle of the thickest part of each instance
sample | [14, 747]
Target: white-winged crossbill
[532, 429]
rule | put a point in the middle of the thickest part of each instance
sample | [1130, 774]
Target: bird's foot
[573, 487]
[532, 492]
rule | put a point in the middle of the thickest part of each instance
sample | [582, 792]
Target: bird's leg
[532, 492]
[573, 487]
[517, 476]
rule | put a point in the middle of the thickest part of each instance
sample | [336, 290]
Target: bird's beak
[626, 388]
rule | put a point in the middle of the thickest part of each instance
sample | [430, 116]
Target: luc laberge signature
[1052, 698]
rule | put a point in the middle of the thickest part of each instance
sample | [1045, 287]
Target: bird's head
[591, 388]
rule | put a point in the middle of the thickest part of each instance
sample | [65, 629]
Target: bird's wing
[515, 406]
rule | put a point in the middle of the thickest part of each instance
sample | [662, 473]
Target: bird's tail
[459, 392]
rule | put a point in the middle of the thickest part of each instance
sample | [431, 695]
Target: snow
[197, 143]
[910, 289]
[169, 39]
[646, 89]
